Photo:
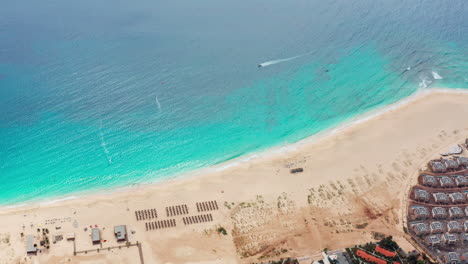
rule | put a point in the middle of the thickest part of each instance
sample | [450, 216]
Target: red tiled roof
[369, 257]
[385, 252]
[394, 262]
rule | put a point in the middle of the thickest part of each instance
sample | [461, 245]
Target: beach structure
[449, 238]
[437, 166]
[453, 150]
[446, 182]
[439, 213]
[146, 214]
[457, 197]
[120, 232]
[452, 258]
[450, 164]
[433, 240]
[421, 229]
[176, 210]
[188, 220]
[429, 180]
[441, 198]
[96, 236]
[437, 227]
[461, 181]
[454, 227]
[70, 236]
[31, 247]
[462, 161]
[207, 206]
[456, 213]
[419, 212]
[421, 195]
[296, 170]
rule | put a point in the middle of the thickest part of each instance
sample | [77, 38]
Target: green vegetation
[222, 230]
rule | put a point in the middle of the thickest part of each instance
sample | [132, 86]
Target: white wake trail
[272, 62]
[104, 145]
[158, 104]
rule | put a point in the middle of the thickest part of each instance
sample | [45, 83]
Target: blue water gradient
[105, 94]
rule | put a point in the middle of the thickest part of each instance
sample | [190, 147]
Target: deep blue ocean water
[104, 94]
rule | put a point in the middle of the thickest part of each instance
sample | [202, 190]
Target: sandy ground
[354, 184]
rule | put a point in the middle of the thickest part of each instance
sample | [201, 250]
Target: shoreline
[353, 185]
[270, 152]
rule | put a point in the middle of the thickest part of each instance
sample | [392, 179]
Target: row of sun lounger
[160, 224]
[146, 214]
[176, 210]
[207, 206]
[188, 220]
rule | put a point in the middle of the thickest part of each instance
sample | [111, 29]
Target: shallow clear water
[101, 94]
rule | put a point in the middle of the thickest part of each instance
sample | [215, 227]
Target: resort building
[450, 164]
[461, 181]
[421, 195]
[439, 213]
[465, 225]
[462, 161]
[441, 198]
[421, 229]
[120, 232]
[96, 236]
[437, 227]
[446, 182]
[452, 258]
[454, 227]
[429, 180]
[457, 197]
[449, 238]
[433, 240]
[419, 212]
[30, 246]
[437, 166]
[456, 212]
[464, 238]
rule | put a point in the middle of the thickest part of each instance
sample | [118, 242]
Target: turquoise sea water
[104, 94]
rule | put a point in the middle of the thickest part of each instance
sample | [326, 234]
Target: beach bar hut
[120, 232]
[70, 236]
[30, 246]
[96, 236]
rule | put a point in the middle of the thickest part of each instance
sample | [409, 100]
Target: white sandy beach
[354, 184]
